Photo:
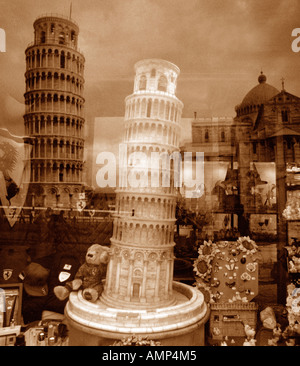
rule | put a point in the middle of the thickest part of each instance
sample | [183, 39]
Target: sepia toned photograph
[150, 175]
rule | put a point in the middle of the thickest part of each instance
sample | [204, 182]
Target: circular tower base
[182, 324]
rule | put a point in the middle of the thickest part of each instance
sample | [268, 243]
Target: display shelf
[229, 319]
[10, 330]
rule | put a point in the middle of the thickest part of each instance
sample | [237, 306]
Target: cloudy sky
[220, 47]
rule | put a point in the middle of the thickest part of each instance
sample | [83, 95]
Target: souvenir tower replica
[140, 297]
[140, 273]
[53, 119]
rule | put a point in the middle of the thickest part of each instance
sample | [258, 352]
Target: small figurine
[290, 342]
[250, 332]
[277, 332]
[250, 342]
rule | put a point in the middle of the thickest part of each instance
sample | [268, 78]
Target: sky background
[220, 46]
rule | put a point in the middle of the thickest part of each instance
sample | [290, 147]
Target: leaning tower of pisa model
[140, 272]
[53, 117]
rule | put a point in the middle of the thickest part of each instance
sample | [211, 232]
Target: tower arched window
[55, 145]
[222, 136]
[289, 143]
[162, 83]
[42, 124]
[49, 126]
[254, 147]
[36, 125]
[43, 37]
[206, 136]
[284, 115]
[55, 124]
[56, 80]
[61, 38]
[153, 73]
[149, 108]
[38, 58]
[143, 83]
[62, 60]
[61, 148]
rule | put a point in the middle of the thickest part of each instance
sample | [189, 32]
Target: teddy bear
[89, 276]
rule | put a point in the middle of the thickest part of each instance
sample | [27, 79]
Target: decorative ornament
[251, 267]
[246, 245]
[136, 341]
[234, 252]
[202, 267]
[126, 254]
[243, 260]
[245, 276]
[205, 290]
[230, 267]
[230, 284]
[215, 297]
[216, 267]
[203, 264]
[216, 331]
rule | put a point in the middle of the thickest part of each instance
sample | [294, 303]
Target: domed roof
[260, 94]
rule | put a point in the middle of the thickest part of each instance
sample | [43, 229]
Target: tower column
[157, 279]
[128, 295]
[143, 290]
[117, 282]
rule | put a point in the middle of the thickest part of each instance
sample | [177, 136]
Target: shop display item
[250, 336]
[267, 317]
[89, 276]
[62, 267]
[228, 271]
[229, 319]
[227, 274]
[47, 333]
[140, 295]
[293, 307]
[293, 258]
[13, 259]
[35, 279]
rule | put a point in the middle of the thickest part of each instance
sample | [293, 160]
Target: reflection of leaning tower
[140, 272]
[54, 112]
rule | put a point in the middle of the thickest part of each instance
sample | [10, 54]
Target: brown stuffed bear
[89, 276]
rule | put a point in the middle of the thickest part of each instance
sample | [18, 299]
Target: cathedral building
[267, 131]
[248, 158]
